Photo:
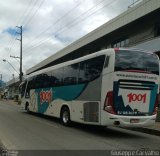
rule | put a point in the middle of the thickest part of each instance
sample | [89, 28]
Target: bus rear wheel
[65, 116]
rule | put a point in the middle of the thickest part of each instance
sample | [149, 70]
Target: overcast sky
[48, 26]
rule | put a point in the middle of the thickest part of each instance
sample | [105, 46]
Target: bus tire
[65, 116]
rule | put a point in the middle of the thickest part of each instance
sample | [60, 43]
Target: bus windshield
[133, 60]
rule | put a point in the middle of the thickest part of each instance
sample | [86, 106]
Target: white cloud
[53, 25]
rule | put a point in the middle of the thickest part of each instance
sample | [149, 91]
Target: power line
[25, 11]
[48, 28]
[12, 42]
[34, 13]
[12, 39]
[29, 12]
[61, 28]
[10, 65]
[76, 21]
[71, 24]
[16, 58]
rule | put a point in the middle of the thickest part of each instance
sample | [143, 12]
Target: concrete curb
[147, 130]
[9, 101]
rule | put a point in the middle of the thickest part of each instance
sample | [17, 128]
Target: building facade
[12, 88]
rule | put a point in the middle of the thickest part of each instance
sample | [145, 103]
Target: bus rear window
[134, 60]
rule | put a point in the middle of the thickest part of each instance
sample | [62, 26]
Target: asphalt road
[22, 131]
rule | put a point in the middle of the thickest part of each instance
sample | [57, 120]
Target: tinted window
[46, 80]
[31, 83]
[71, 74]
[82, 75]
[84, 71]
[58, 77]
[133, 60]
[39, 79]
[91, 69]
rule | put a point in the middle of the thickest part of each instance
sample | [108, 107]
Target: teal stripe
[66, 93]
[153, 98]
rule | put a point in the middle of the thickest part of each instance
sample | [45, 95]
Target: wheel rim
[65, 116]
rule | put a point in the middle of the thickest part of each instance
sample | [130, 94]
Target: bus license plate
[134, 120]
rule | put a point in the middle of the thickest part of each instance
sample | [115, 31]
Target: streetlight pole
[4, 60]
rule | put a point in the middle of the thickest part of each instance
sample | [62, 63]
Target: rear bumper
[125, 121]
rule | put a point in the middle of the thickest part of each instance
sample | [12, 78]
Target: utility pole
[15, 57]
[20, 33]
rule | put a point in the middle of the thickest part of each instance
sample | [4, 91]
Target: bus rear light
[108, 104]
[156, 106]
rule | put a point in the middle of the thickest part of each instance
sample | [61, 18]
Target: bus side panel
[42, 103]
[77, 111]
[107, 85]
[49, 101]
[86, 107]
[86, 112]
[54, 108]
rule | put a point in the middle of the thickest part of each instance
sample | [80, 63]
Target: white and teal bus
[110, 87]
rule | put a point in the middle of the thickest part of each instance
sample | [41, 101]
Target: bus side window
[71, 74]
[46, 80]
[91, 69]
[94, 67]
[81, 77]
[58, 75]
[75, 73]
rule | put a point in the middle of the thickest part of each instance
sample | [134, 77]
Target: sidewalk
[154, 130]
[9, 101]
